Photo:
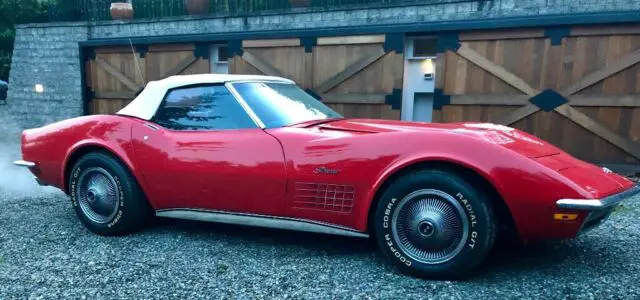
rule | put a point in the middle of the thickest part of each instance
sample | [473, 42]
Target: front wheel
[106, 196]
[433, 223]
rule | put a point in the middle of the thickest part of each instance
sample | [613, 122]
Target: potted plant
[121, 11]
[196, 7]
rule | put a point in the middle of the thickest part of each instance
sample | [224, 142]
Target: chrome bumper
[24, 163]
[30, 165]
[597, 204]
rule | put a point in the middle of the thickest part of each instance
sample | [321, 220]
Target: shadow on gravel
[512, 256]
[505, 261]
[331, 244]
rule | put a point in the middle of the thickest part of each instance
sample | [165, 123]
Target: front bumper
[597, 204]
[598, 209]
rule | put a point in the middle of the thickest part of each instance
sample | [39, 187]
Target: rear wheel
[106, 196]
[433, 223]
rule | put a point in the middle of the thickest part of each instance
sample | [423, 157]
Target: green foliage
[157, 9]
[16, 12]
[5, 65]
[22, 11]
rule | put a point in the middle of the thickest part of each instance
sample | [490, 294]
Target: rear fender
[116, 150]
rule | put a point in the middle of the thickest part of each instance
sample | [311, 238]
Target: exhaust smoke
[14, 180]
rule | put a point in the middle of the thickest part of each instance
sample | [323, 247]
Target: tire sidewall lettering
[396, 253]
[470, 213]
[74, 184]
[118, 216]
[387, 213]
[77, 172]
[120, 189]
[386, 219]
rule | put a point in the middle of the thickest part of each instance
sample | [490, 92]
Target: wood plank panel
[160, 64]
[237, 65]
[114, 72]
[288, 61]
[351, 70]
[333, 59]
[354, 98]
[382, 72]
[440, 70]
[476, 74]
[520, 100]
[627, 29]
[496, 70]
[350, 40]
[171, 47]
[265, 67]
[488, 35]
[271, 43]
[353, 75]
[200, 66]
[617, 64]
[600, 73]
[110, 82]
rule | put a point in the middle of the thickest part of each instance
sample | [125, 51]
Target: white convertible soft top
[144, 106]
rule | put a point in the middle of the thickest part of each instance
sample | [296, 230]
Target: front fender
[528, 188]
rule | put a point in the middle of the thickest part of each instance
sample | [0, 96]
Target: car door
[202, 150]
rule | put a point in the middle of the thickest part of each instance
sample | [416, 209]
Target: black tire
[402, 205]
[118, 207]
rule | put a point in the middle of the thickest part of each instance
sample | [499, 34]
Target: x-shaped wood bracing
[131, 84]
[324, 87]
[565, 109]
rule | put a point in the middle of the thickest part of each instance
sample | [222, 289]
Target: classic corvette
[258, 150]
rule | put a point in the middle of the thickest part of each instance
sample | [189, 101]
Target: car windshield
[279, 104]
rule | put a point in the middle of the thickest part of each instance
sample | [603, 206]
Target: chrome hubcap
[426, 229]
[98, 195]
[430, 226]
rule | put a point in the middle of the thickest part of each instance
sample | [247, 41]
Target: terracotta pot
[299, 3]
[121, 11]
[196, 7]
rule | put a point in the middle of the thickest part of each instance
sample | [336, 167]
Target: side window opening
[210, 107]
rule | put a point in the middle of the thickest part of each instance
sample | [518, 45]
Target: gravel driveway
[46, 253]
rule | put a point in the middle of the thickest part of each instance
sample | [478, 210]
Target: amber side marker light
[565, 217]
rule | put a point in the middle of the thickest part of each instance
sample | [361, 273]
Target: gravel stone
[46, 253]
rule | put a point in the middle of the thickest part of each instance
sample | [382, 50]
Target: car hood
[513, 139]
[597, 181]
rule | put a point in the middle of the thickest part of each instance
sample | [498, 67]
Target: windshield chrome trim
[283, 81]
[244, 104]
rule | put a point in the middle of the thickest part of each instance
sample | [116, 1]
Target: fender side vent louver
[321, 196]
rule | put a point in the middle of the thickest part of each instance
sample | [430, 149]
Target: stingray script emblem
[324, 170]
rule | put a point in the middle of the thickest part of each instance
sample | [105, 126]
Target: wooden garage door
[358, 76]
[580, 91]
[115, 74]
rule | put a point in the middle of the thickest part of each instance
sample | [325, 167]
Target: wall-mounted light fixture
[39, 88]
[427, 68]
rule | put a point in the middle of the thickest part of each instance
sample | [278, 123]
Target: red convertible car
[257, 150]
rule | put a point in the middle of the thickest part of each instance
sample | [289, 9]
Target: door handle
[151, 126]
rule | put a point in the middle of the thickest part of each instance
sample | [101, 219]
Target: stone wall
[460, 10]
[48, 53]
[47, 56]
